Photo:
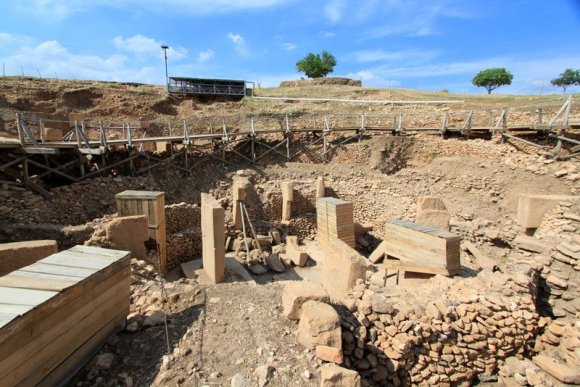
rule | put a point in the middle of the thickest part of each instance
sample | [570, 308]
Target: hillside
[56, 99]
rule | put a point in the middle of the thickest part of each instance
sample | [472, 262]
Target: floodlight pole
[165, 48]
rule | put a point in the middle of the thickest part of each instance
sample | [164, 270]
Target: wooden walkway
[246, 139]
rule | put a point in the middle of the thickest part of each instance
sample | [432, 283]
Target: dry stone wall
[321, 81]
[450, 332]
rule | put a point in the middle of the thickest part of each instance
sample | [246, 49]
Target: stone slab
[16, 255]
[213, 238]
[532, 207]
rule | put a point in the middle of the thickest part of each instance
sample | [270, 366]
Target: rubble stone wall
[448, 333]
[183, 228]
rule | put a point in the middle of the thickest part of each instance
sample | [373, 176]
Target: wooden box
[420, 249]
[152, 205]
[334, 218]
[57, 312]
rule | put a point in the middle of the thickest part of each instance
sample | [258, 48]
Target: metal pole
[165, 48]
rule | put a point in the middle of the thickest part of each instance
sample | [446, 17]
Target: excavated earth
[183, 332]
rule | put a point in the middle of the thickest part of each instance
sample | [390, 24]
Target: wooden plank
[45, 353]
[19, 309]
[15, 328]
[23, 281]
[80, 260]
[6, 317]
[14, 296]
[31, 329]
[40, 267]
[116, 254]
[71, 365]
[422, 245]
[45, 276]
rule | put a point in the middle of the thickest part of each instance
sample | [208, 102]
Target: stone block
[213, 238]
[433, 218]
[529, 243]
[431, 211]
[431, 203]
[531, 208]
[129, 233]
[561, 372]
[361, 229]
[330, 354]
[295, 294]
[341, 268]
[332, 375]
[319, 325]
[16, 255]
[293, 251]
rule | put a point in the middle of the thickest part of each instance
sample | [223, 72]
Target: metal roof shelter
[201, 86]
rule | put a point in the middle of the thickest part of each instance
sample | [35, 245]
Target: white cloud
[236, 38]
[239, 44]
[142, 45]
[416, 17]
[7, 39]
[333, 10]
[205, 55]
[528, 72]
[289, 46]
[59, 9]
[328, 34]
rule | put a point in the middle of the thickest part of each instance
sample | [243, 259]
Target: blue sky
[415, 44]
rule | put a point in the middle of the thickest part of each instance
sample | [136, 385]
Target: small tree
[567, 78]
[491, 79]
[317, 65]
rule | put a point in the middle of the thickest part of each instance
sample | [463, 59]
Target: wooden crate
[152, 205]
[420, 249]
[334, 218]
[57, 312]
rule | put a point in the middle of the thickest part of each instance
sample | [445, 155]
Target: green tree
[493, 78]
[567, 78]
[317, 65]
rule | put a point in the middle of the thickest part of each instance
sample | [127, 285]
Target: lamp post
[165, 48]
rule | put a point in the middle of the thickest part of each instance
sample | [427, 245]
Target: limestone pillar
[240, 194]
[287, 199]
[212, 237]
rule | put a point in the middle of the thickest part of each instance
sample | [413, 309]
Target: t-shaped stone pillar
[212, 238]
[240, 192]
[287, 199]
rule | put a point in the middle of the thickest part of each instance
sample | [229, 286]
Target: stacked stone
[181, 216]
[560, 281]
[450, 332]
[557, 361]
[183, 222]
[556, 248]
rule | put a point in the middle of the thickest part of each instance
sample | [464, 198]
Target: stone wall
[321, 81]
[450, 332]
[183, 225]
